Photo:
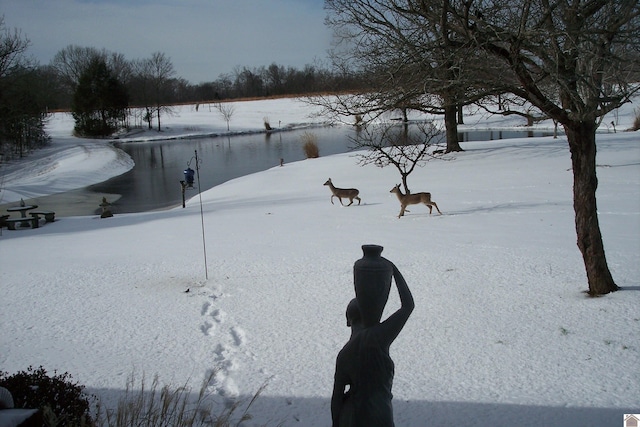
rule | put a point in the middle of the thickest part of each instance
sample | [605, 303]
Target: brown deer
[347, 193]
[413, 199]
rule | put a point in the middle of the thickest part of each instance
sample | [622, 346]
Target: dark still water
[154, 181]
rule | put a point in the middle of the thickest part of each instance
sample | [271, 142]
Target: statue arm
[391, 327]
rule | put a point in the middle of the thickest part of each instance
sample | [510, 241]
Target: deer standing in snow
[347, 193]
[413, 199]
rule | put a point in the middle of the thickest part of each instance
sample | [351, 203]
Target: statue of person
[364, 370]
[106, 211]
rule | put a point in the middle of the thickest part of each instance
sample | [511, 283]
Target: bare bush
[267, 125]
[158, 406]
[310, 145]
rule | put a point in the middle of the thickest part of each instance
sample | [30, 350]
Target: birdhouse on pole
[189, 175]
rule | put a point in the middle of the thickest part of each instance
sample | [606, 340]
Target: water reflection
[490, 135]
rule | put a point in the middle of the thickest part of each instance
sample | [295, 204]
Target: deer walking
[347, 193]
[413, 199]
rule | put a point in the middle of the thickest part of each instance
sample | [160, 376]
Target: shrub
[310, 145]
[58, 396]
[63, 403]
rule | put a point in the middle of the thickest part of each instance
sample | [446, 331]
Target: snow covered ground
[502, 333]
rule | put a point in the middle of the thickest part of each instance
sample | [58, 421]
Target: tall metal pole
[204, 245]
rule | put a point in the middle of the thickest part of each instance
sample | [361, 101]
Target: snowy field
[502, 333]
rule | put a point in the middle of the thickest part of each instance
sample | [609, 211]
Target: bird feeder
[189, 175]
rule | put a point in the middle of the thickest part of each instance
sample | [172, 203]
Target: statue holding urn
[364, 370]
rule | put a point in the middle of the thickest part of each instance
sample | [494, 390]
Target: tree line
[158, 71]
[106, 91]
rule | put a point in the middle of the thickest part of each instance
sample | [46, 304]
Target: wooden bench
[48, 215]
[11, 222]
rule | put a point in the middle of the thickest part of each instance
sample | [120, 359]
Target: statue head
[353, 313]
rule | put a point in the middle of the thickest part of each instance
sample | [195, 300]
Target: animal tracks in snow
[226, 342]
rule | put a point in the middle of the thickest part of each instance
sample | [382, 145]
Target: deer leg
[430, 208]
[436, 206]
[332, 200]
[340, 198]
[350, 202]
[358, 200]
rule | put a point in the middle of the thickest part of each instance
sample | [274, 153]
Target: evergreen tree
[100, 101]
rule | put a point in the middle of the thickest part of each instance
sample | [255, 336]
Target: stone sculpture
[364, 370]
[106, 210]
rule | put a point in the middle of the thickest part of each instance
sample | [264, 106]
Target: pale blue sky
[203, 38]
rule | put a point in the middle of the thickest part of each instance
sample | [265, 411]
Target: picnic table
[22, 209]
[33, 221]
[23, 220]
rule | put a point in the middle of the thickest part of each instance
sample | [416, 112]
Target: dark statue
[364, 370]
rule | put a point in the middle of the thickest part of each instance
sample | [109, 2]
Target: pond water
[154, 182]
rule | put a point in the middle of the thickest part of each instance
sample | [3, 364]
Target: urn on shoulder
[372, 276]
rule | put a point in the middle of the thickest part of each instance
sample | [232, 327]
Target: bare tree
[406, 62]
[142, 89]
[12, 48]
[573, 60]
[394, 145]
[71, 62]
[226, 110]
[160, 69]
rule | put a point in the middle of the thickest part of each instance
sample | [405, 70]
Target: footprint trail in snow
[226, 342]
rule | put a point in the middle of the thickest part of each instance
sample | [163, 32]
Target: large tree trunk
[451, 128]
[582, 144]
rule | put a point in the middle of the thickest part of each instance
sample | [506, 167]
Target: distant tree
[22, 96]
[72, 61]
[100, 101]
[141, 90]
[249, 83]
[275, 79]
[23, 108]
[160, 71]
[12, 48]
